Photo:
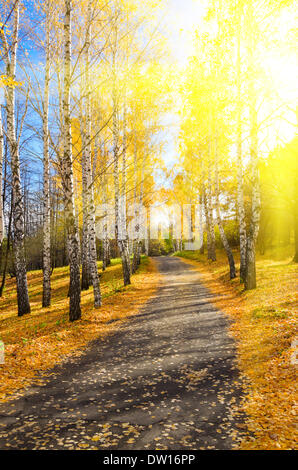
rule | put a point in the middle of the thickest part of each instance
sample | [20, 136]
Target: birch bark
[18, 207]
[85, 279]
[140, 216]
[134, 264]
[90, 189]
[209, 209]
[120, 239]
[295, 259]
[219, 221]
[46, 252]
[67, 178]
[4, 268]
[201, 220]
[1, 177]
[250, 275]
[106, 242]
[240, 197]
[122, 207]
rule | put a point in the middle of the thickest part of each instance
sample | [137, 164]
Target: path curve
[166, 379]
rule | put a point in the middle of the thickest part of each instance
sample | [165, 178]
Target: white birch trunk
[240, 197]
[121, 242]
[122, 208]
[1, 176]
[147, 239]
[90, 190]
[18, 207]
[136, 212]
[209, 208]
[219, 221]
[67, 178]
[46, 252]
[85, 280]
[250, 276]
[201, 227]
[139, 220]
[106, 242]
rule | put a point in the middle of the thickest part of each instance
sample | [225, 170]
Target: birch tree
[123, 210]
[67, 177]
[240, 197]
[250, 274]
[1, 178]
[10, 58]
[223, 236]
[119, 229]
[106, 242]
[85, 280]
[46, 266]
[90, 187]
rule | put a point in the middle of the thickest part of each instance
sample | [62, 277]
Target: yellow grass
[38, 341]
[264, 324]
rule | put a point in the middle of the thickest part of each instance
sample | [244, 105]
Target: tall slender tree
[90, 181]
[250, 274]
[46, 265]
[240, 197]
[119, 232]
[1, 178]
[67, 177]
[10, 57]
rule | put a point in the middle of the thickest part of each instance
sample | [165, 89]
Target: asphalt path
[165, 379]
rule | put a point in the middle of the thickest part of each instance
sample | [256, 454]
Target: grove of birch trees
[228, 105]
[91, 127]
[85, 88]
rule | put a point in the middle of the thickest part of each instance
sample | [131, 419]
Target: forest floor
[169, 377]
[45, 337]
[265, 326]
[165, 379]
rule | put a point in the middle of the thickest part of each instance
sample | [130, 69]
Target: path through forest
[164, 380]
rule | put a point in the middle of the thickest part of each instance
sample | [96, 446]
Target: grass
[264, 325]
[41, 339]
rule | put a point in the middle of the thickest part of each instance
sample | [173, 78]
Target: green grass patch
[270, 313]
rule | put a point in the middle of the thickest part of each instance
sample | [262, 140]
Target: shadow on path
[165, 380]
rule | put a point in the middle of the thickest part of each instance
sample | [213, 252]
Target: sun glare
[279, 63]
[183, 18]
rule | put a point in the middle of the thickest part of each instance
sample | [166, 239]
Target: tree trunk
[122, 206]
[240, 197]
[18, 208]
[93, 253]
[7, 250]
[207, 224]
[295, 259]
[91, 210]
[1, 176]
[106, 242]
[89, 254]
[147, 239]
[119, 235]
[207, 194]
[220, 225]
[46, 252]
[67, 179]
[250, 276]
[201, 222]
[85, 279]
[138, 215]
[295, 214]
[212, 254]
[135, 260]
